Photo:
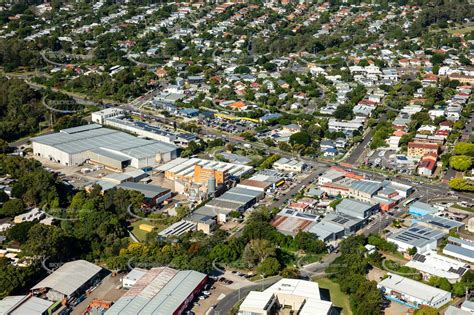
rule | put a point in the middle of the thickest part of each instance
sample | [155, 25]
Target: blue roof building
[189, 112]
[420, 209]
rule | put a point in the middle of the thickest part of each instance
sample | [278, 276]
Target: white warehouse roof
[93, 136]
[24, 305]
[68, 278]
[412, 288]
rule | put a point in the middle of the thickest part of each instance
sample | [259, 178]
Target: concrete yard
[109, 290]
[202, 306]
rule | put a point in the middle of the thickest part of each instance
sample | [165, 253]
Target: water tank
[211, 185]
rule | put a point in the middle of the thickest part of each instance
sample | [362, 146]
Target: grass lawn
[141, 234]
[338, 298]
[458, 206]
[311, 258]
[463, 30]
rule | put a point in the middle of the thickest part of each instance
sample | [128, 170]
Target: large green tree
[460, 162]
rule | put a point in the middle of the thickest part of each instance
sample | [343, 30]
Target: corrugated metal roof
[450, 248]
[68, 278]
[353, 207]
[104, 138]
[148, 190]
[160, 291]
[24, 305]
[412, 288]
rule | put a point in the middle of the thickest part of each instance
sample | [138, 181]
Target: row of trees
[349, 271]
[20, 109]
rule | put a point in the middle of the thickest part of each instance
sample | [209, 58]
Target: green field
[463, 30]
[338, 298]
[140, 234]
[460, 207]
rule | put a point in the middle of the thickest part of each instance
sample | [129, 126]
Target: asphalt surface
[357, 152]
[305, 182]
[318, 268]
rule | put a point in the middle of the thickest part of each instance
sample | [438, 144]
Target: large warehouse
[161, 290]
[408, 291]
[200, 170]
[108, 147]
[68, 281]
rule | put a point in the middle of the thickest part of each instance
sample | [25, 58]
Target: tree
[464, 148]
[334, 203]
[284, 146]
[48, 241]
[3, 196]
[12, 207]
[382, 244]
[258, 250]
[270, 66]
[461, 184]
[268, 162]
[412, 251]
[19, 232]
[440, 282]
[269, 267]
[300, 138]
[344, 112]
[242, 70]
[367, 299]
[4, 147]
[460, 162]
[437, 59]
[309, 242]
[182, 211]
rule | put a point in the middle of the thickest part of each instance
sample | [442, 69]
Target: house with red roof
[427, 165]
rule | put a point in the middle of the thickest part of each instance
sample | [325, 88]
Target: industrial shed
[69, 280]
[154, 194]
[24, 305]
[108, 147]
[161, 290]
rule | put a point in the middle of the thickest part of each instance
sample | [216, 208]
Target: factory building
[420, 209]
[100, 116]
[414, 293]
[143, 129]
[290, 222]
[25, 304]
[289, 165]
[355, 208]
[68, 281]
[113, 149]
[433, 264]
[154, 194]
[460, 248]
[236, 199]
[291, 295]
[200, 170]
[440, 223]
[160, 290]
[422, 237]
